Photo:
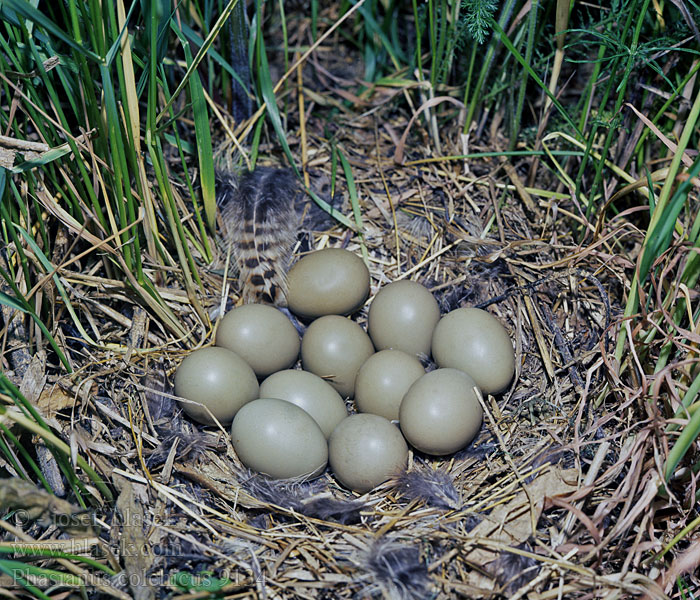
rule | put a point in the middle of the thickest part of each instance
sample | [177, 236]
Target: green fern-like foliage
[477, 17]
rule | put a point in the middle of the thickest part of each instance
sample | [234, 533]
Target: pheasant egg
[366, 450]
[440, 414]
[474, 341]
[309, 392]
[402, 316]
[335, 347]
[333, 281]
[279, 439]
[219, 381]
[261, 335]
[383, 380]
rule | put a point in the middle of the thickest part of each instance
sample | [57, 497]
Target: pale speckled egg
[332, 281]
[217, 379]
[383, 380]
[309, 392]
[261, 335]
[402, 316]
[279, 439]
[440, 414]
[474, 341]
[335, 348]
[366, 450]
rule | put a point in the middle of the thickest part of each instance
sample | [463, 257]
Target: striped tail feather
[260, 226]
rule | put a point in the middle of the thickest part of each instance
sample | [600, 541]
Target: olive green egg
[402, 316]
[309, 392]
[366, 450]
[279, 439]
[217, 379]
[440, 413]
[261, 335]
[474, 341]
[335, 348]
[332, 281]
[383, 380]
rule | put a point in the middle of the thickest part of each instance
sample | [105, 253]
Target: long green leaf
[25, 455]
[37, 551]
[35, 426]
[660, 235]
[354, 202]
[685, 441]
[11, 302]
[20, 302]
[29, 12]
[647, 257]
[268, 94]
[225, 13]
[12, 569]
[42, 160]
[46, 263]
[205, 151]
[20, 569]
[513, 50]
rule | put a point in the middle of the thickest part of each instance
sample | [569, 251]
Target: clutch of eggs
[287, 422]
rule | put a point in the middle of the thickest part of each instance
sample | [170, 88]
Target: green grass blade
[661, 229]
[268, 94]
[19, 302]
[520, 102]
[37, 551]
[685, 442]
[11, 302]
[43, 159]
[205, 151]
[621, 89]
[23, 569]
[10, 456]
[35, 426]
[124, 200]
[513, 50]
[355, 203]
[46, 263]
[486, 63]
[212, 54]
[375, 30]
[30, 13]
[15, 570]
[25, 455]
[688, 399]
[647, 256]
[202, 52]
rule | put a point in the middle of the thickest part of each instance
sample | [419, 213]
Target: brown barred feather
[260, 224]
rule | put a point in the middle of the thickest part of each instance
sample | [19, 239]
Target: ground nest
[533, 504]
[554, 498]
